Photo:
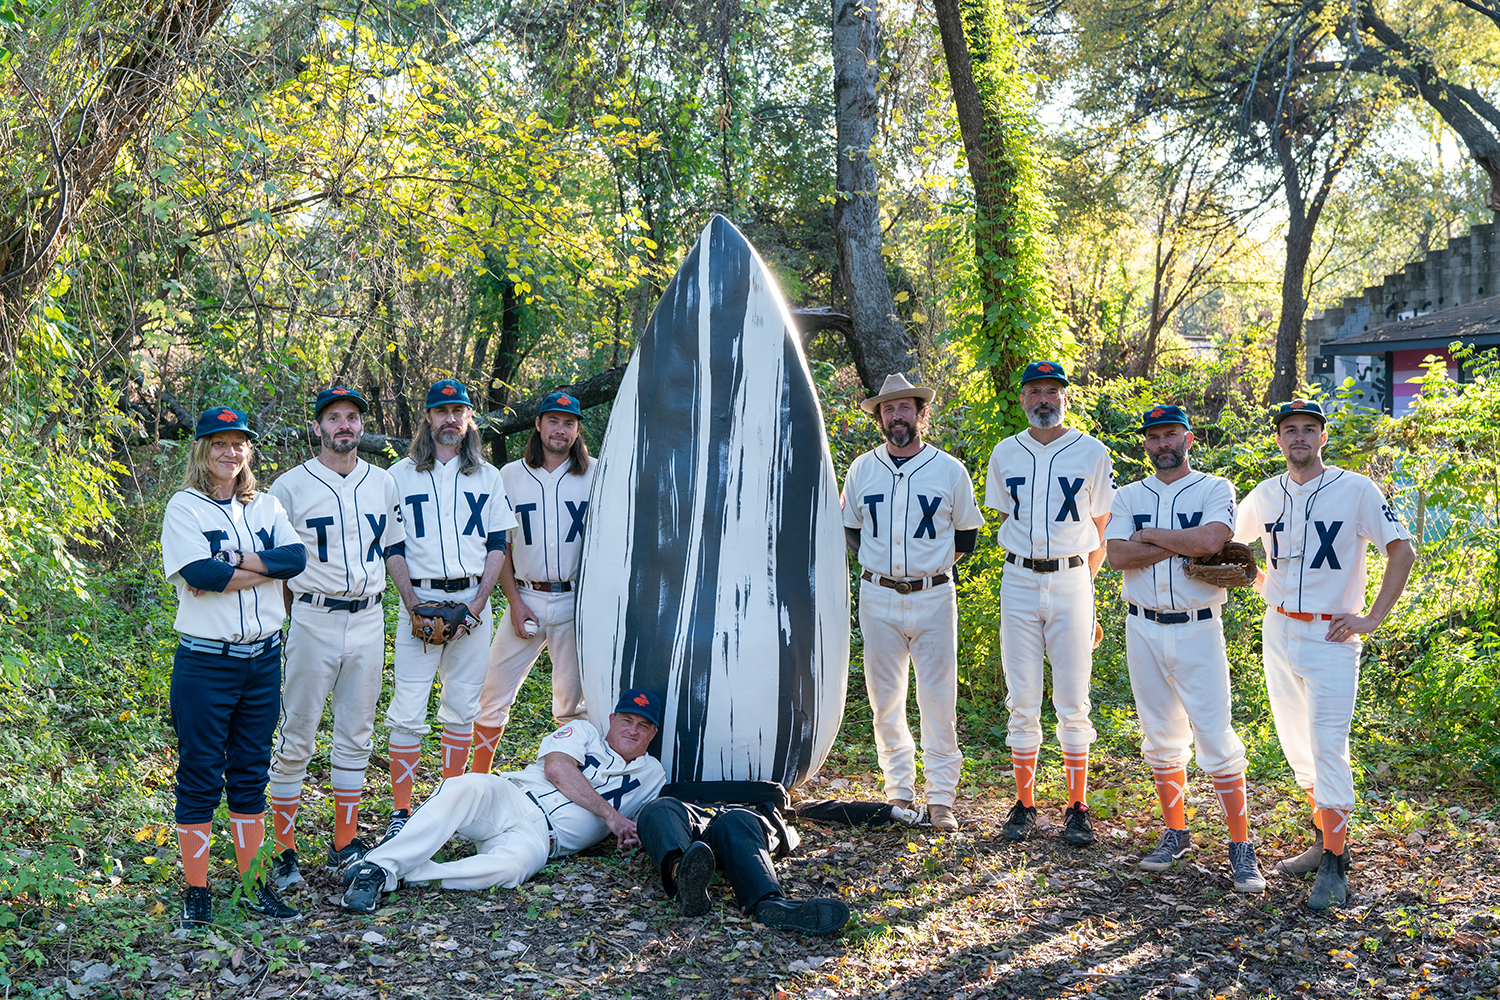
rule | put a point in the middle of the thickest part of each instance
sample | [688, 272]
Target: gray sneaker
[345, 856]
[364, 883]
[1173, 845]
[399, 819]
[1247, 876]
[284, 871]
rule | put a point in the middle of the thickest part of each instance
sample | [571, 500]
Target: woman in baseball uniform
[226, 548]
[1316, 521]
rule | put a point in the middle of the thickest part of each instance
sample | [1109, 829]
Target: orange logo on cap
[1298, 404]
[564, 400]
[1157, 412]
[1044, 367]
[641, 700]
[227, 417]
[448, 390]
[340, 391]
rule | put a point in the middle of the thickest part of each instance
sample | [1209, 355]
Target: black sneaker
[1247, 876]
[262, 899]
[694, 870]
[351, 852]
[1331, 888]
[1020, 823]
[1173, 845]
[284, 871]
[1078, 829]
[364, 883]
[197, 909]
[399, 818]
[818, 917]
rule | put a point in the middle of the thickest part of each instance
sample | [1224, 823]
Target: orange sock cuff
[456, 741]
[1230, 790]
[1171, 792]
[345, 816]
[1335, 829]
[1312, 803]
[1076, 769]
[248, 832]
[404, 762]
[193, 841]
[1023, 767]
[486, 743]
[284, 822]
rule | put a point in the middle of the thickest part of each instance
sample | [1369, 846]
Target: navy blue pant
[224, 710]
[738, 836]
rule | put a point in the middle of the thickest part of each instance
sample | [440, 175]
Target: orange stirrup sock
[1076, 765]
[456, 742]
[1171, 792]
[192, 840]
[248, 831]
[1312, 804]
[284, 816]
[1230, 789]
[1335, 829]
[404, 761]
[486, 742]
[1023, 766]
[348, 785]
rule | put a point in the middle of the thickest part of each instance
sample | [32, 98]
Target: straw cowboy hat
[896, 387]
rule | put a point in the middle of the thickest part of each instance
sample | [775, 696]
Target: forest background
[206, 203]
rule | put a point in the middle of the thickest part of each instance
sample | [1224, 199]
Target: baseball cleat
[1078, 828]
[1172, 845]
[941, 818]
[262, 899]
[364, 881]
[1020, 823]
[818, 917]
[345, 856]
[1247, 876]
[1307, 861]
[399, 818]
[197, 909]
[694, 870]
[284, 871]
[1332, 885]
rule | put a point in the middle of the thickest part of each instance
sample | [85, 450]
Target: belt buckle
[902, 587]
[1172, 618]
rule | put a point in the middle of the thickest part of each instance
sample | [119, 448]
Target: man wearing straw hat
[909, 515]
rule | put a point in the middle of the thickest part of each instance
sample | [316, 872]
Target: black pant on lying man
[696, 827]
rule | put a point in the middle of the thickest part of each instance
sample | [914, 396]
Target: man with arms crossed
[1174, 637]
[909, 515]
[346, 512]
[1053, 487]
[549, 489]
[582, 787]
[1316, 521]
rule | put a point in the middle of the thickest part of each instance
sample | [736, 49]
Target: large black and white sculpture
[714, 569]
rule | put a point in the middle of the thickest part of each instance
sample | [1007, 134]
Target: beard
[1302, 462]
[340, 447]
[898, 432]
[1168, 458]
[448, 437]
[556, 449]
[1044, 415]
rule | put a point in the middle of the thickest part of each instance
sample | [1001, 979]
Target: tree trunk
[507, 362]
[877, 342]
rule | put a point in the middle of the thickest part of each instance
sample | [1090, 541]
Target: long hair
[197, 477]
[423, 450]
[578, 455]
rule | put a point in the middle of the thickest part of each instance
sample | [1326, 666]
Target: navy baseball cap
[560, 402]
[447, 391]
[1299, 407]
[1044, 369]
[1165, 415]
[336, 393]
[642, 703]
[222, 418]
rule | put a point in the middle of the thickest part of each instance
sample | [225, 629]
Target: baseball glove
[437, 622]
[1232, 566]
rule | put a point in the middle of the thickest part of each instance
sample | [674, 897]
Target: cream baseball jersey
[550, 506]
[906, 514]
[1050, 493]
[1315, 535]
[625, 785]
[195, 527]
[452, 521]
[346, 522]
[1195, 499]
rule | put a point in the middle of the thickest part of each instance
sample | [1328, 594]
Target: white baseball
[529, 627]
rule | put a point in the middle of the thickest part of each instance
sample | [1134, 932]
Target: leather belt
[905, 586]
[338, 604]
[1303, 616]
[237, 650]
[447, 586]
[1173, 617]
[547, 586]
[551, 833]
[1045, 565]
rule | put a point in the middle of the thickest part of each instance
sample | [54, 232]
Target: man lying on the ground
[582, 787]
[697, 826]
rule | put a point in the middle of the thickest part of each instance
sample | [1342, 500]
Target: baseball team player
[1316, 522]
[582, 787]
[1053, 487]
[549, 490]
[346, 512]
[226, 549]
[456, 513]
[909, 515]
[1174, 637]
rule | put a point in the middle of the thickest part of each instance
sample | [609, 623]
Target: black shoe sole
[694, 872]
[814, 917]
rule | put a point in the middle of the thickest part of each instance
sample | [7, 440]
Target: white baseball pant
[1312, 684]
[511, 660]
[509, 832]
[1180, 677]
[920, 628]
[329, 652]
[1051, 615]
[460, 664]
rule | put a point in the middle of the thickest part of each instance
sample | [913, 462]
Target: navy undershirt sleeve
[399, 549]
[963, 541]
[208, 574]
[284, 561]
[494, 542]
